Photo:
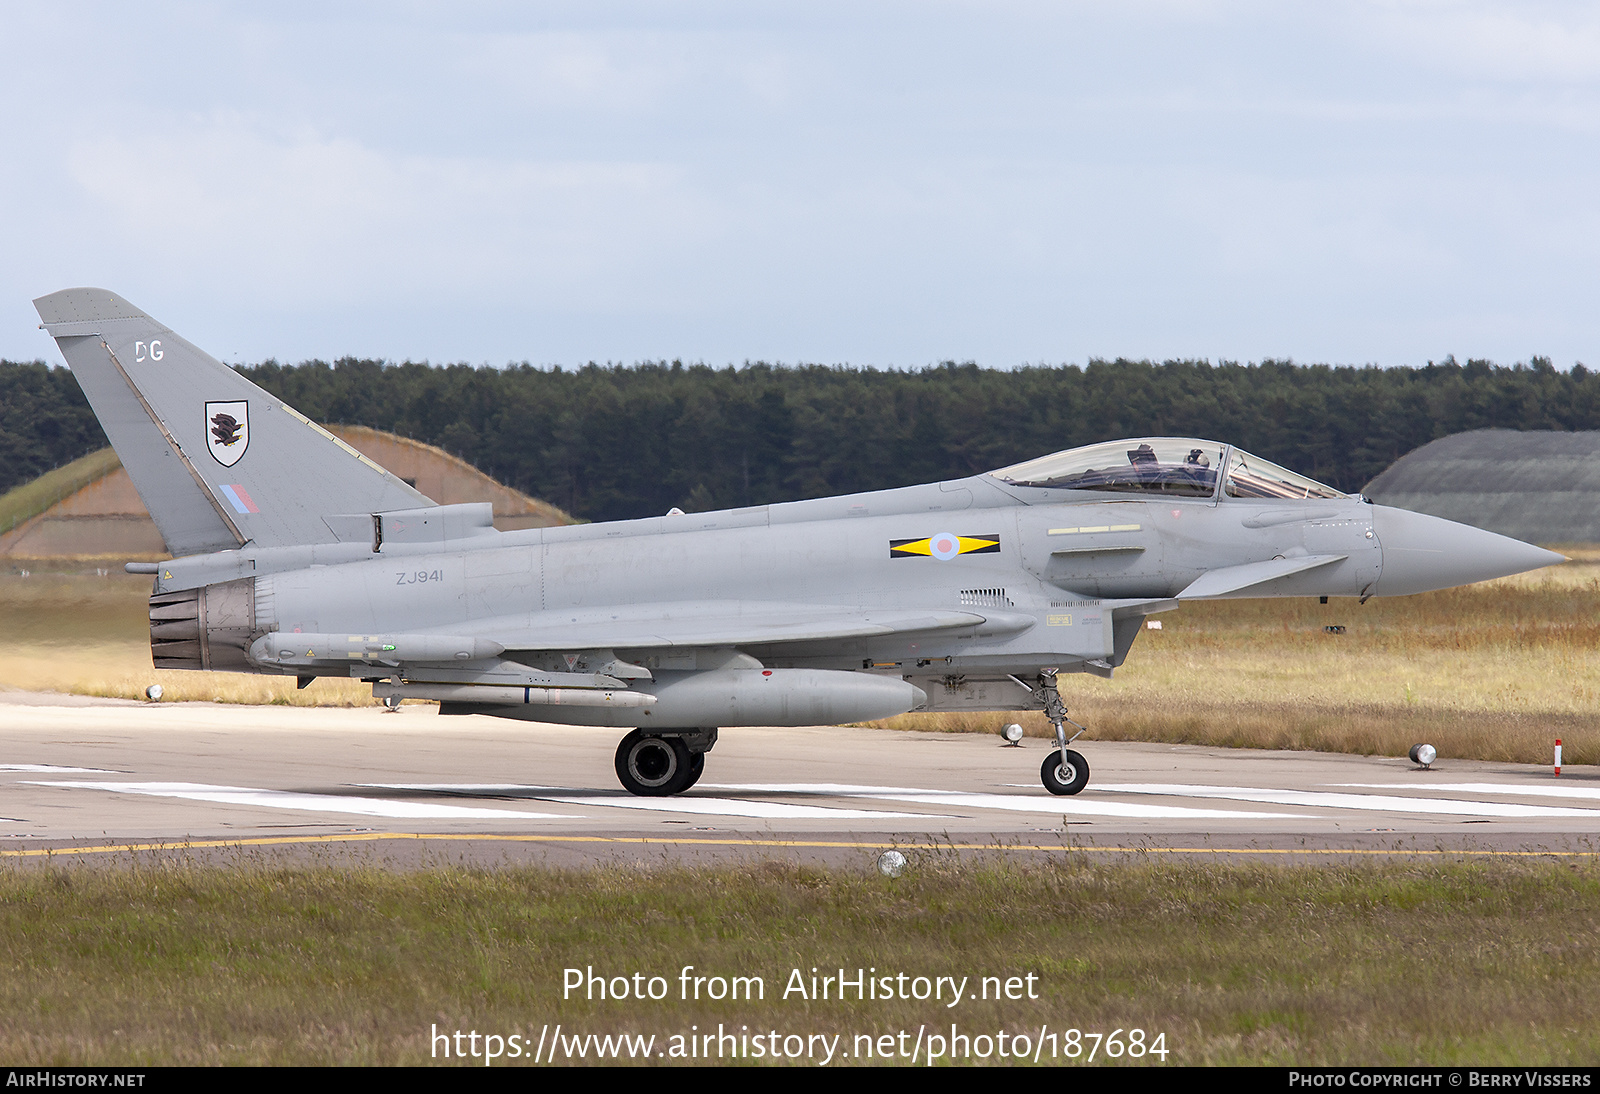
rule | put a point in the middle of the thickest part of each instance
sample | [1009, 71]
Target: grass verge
[1431, 962]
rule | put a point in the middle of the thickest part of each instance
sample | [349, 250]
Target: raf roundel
[944, 546]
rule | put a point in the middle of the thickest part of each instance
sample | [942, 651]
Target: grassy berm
[1433, 960]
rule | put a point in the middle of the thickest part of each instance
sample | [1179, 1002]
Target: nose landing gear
[1064, 771]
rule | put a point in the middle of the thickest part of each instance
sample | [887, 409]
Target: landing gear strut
[1064, 771]
[660, 765]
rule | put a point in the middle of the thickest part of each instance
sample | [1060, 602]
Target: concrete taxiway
[93, 778]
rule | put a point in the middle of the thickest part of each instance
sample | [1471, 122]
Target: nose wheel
[1065, 772]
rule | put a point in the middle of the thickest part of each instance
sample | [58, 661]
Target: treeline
[44, 421]
[615, 442]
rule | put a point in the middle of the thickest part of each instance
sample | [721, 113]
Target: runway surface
[94, 779]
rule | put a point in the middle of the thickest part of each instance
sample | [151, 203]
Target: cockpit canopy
[1173, 466]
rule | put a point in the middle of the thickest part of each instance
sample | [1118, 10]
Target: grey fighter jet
[296, 555]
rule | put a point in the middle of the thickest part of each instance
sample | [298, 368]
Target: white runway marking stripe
[1016, 803]
[51, 769]
[718, 807]
[1535, 790]
[1387, 803]
[311, 803]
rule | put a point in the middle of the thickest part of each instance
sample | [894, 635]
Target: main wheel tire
[697, 767]
[1064, 772]
[654, 767]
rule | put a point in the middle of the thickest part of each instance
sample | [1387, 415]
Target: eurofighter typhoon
[295, 555]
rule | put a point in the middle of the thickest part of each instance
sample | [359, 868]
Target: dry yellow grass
[116, 671]
[88, 635]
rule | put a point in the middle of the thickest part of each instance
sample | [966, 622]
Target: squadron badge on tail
[228, 431]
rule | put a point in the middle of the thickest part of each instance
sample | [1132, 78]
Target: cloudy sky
[889, 184]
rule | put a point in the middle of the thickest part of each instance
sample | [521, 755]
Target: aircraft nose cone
[1421, 553]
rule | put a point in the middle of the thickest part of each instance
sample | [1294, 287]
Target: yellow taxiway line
[874, 845]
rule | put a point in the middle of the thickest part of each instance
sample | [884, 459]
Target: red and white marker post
[1558, 755]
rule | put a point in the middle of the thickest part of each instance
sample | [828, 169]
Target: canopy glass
[1176, 466]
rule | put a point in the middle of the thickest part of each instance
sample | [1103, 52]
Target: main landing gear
[658, 765]
[1064, 771]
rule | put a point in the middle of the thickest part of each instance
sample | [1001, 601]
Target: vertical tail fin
[218, 462]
